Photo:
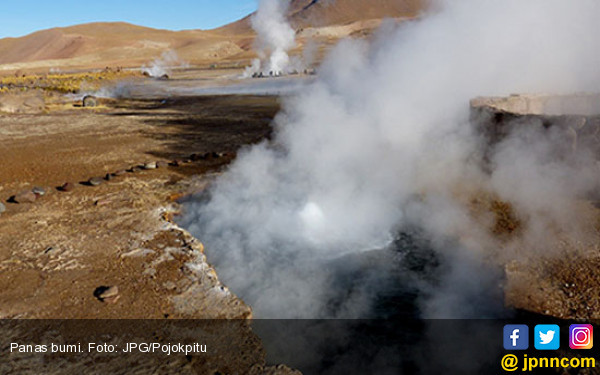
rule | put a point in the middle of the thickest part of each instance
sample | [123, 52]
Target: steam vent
[566, 286]
[576, 117]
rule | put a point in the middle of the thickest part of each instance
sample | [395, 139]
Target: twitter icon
[547, 337]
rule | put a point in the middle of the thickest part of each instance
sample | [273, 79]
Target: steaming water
[385, 293]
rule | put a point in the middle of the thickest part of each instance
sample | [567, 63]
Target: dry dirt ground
[61, 252]
[56, 252]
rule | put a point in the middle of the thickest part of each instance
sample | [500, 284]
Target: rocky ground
[97, 240]
[557, 275]
[56, 251]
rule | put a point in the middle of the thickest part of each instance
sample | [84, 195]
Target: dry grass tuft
[64, 82]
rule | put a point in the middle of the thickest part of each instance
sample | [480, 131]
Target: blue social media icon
[516, 337]
[546, 336]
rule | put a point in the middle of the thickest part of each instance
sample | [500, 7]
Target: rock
[66, 187]
[175, 163]
[25, 197]
[162, 164]
[107, 294]
[136, 169]
[2, 208]
[90, 101]
[39, 191]
[151, 165]
[95, 181]
[120, 172]
[102, 202]
[138, 253]
[108, 177]
[164, 77]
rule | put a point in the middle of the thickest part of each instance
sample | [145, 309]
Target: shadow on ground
[205, 124]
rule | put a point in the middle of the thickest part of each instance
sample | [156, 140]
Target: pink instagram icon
[581, 336]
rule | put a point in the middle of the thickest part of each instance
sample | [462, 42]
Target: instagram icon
[581, 336]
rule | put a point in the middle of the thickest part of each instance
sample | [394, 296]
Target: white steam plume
[382, 140]
[275, 37]
[163, 65]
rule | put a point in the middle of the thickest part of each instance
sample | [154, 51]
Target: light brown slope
[319, 13]
[101, 44]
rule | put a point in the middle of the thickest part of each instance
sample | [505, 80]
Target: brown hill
[109, 44]
[101, 44]
[320, 13]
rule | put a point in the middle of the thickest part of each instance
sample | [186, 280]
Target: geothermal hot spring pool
[401, 306]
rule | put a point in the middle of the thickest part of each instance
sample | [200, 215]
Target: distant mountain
[111, 44]
[103, 44]
[321, 13]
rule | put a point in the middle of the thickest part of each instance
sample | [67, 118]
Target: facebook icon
[516, 337]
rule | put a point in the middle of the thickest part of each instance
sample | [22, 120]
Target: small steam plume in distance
[163, 66]
[275, 38]
[381, 142]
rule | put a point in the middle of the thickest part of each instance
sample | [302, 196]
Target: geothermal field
[321, 187]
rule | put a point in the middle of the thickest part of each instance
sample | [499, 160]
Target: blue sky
[21, 17]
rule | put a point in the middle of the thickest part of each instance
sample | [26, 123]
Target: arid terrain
[57, 251]
[112, 251]
[89, 193]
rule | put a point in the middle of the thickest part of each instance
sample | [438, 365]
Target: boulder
[66, 187]
[95, 181]
[102, 202]
[107, 294]
[25, 197]
[2, 208]
[39, 191]
[90, 101]
[151, 165]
